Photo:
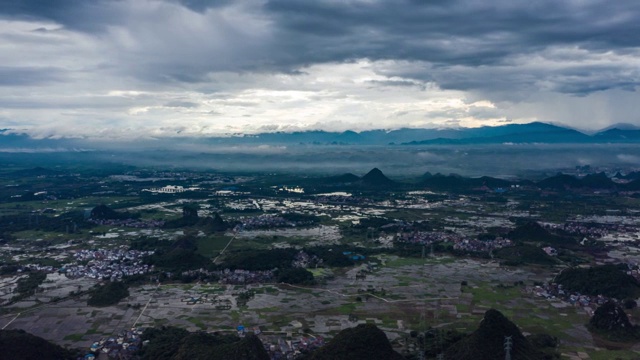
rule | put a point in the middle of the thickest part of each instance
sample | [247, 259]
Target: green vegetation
[163, 342]
[546, 343]
[524, 254]
[69, 222]
[178, 256]
[20, 345]
[210, 246]
[471, 210]
[178, 260]
[437, 341]
[492, 295]
[108, 294]
[9, 269]
[103, 212]
[532, 231]
[346, 309]
[364, 341]
[171, 343]
[563, 182]
[607, 280]
[259, 259]
[301, 219]
[144, 243]
[74, 337]
[540, 341]
[27, 286]
[295, 276]
[244, 297]
[190, 218]
[610, 321]
[332, 257]
[45, 262]
[487, 342]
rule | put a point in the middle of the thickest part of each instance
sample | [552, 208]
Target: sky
[124, 69]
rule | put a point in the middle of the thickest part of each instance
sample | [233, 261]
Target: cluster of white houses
[171, 189]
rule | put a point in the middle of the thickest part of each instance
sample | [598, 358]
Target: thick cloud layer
[128, 68]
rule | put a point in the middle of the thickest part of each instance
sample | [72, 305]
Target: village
[410, 255]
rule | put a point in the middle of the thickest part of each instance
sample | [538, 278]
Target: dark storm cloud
[90, 16]
[442, 33]
[586, 87]
[273, 57]
[454, 32]
[395, 83]
[469, 45]
[445, 32]
[203, 5]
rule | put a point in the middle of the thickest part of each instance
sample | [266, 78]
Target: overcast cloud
[130, 68]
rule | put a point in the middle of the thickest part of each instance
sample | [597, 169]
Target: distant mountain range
[373, 179]
[376, 179]
[516, 133]
[535, 132]
[599, 181]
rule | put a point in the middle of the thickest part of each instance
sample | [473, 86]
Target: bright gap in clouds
[333, 97]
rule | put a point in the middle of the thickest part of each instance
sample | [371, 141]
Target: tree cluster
[103, 212]
[611, 321]
[259, 260]
[171, 343]
[190, 218]
[295, 276]
[608, 280]
[532, 231]
[524, 254]
[29, 285]
[20, 345]
[364, 342]
[487, 342]
[179, 256]
[66, 222]
[108, 294]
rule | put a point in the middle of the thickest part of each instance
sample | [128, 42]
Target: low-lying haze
[527, 160]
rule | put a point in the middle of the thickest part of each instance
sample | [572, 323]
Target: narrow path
[370, 294]
[12, 320]
[145, 307]
[225, 248]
